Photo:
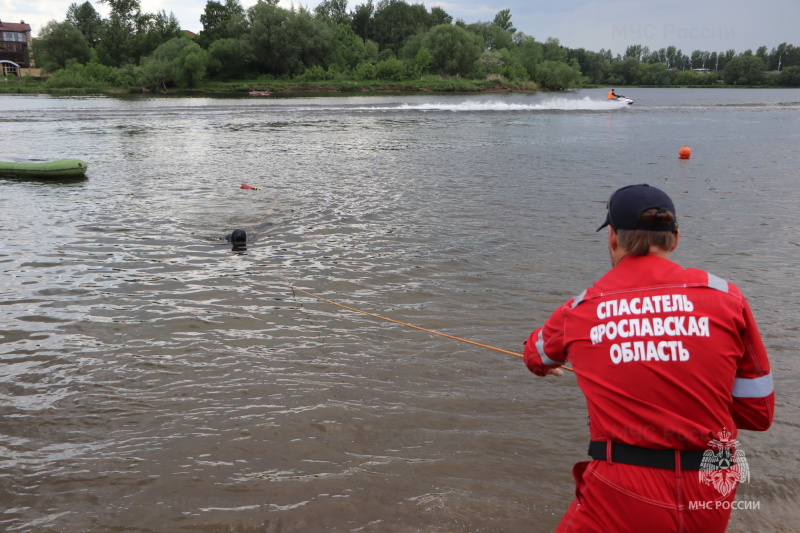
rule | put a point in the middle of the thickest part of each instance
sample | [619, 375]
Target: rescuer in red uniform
[672, 365]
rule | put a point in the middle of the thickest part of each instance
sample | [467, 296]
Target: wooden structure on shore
[15, 47]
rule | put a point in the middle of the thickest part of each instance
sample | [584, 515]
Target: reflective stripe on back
[578, 299]
[715, 282]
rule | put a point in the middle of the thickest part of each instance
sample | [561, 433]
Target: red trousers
[626, 498]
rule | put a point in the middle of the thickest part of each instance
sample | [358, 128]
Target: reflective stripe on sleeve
[718, 283]
[540, 350]
[753, 388]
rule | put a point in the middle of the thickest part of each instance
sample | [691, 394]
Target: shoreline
[430, 85]
[283, 87]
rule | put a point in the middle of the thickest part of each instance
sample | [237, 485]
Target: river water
[153, 378]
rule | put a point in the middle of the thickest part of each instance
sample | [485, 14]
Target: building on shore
[15, 47]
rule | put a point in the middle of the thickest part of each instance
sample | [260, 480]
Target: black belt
[636, 455]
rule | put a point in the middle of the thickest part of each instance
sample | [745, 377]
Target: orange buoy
[685, 152]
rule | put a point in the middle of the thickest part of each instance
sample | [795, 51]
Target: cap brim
[606, 223]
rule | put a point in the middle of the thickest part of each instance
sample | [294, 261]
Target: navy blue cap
[627, 203]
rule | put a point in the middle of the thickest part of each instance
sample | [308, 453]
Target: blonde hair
[637, 242]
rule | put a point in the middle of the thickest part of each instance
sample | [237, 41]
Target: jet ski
[625, 99]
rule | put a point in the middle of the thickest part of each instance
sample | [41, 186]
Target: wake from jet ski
[498, 106]
[476, 105]
[550, 104]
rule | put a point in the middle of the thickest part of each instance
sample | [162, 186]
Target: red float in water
[685, 152]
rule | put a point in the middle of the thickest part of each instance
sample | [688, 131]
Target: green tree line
[391, 40]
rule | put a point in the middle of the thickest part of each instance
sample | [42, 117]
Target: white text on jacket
[660, 349]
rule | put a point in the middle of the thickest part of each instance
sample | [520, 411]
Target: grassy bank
[431, 84]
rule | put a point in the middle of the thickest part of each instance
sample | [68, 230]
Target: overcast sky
[708, 25]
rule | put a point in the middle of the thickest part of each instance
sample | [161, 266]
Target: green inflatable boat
[63, 168]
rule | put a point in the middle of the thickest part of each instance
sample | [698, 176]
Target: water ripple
[145, 364]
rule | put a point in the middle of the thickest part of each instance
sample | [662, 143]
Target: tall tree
[593, 65]
[503, 20]
[530, 54]
[762, 53]
[626, 72]
[222, 21]
[349, 49]
[453, 49]
[287, 42]
[653, 74]
[180, 61]
[670, 56]
[115, 48]
[699, 59]
[745, 70]
[785, 55]
[58, 44]
[440, 16]
[556, 75]
[790, 77]
[723, 58]
[494, 37]
[86, 19]
[154, 30]
[637, 51]
[362, 19]
[395, 21]
[553, 51]
[229, 58]
[126, 10]
[333, 10]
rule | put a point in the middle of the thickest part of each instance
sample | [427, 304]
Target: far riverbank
[428, 84]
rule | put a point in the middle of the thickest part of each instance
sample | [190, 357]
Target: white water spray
[550, 104]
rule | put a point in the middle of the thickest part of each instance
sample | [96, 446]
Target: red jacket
[667, 357]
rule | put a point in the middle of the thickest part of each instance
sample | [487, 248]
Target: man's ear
[613, 242]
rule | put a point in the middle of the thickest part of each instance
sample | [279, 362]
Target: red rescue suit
[668, 358]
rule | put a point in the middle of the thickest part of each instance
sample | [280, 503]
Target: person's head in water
[239, 236]
[238, 239]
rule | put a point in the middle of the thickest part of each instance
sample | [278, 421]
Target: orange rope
[411, 325]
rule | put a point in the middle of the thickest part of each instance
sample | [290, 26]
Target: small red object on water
[245, 186]
[685, 152]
